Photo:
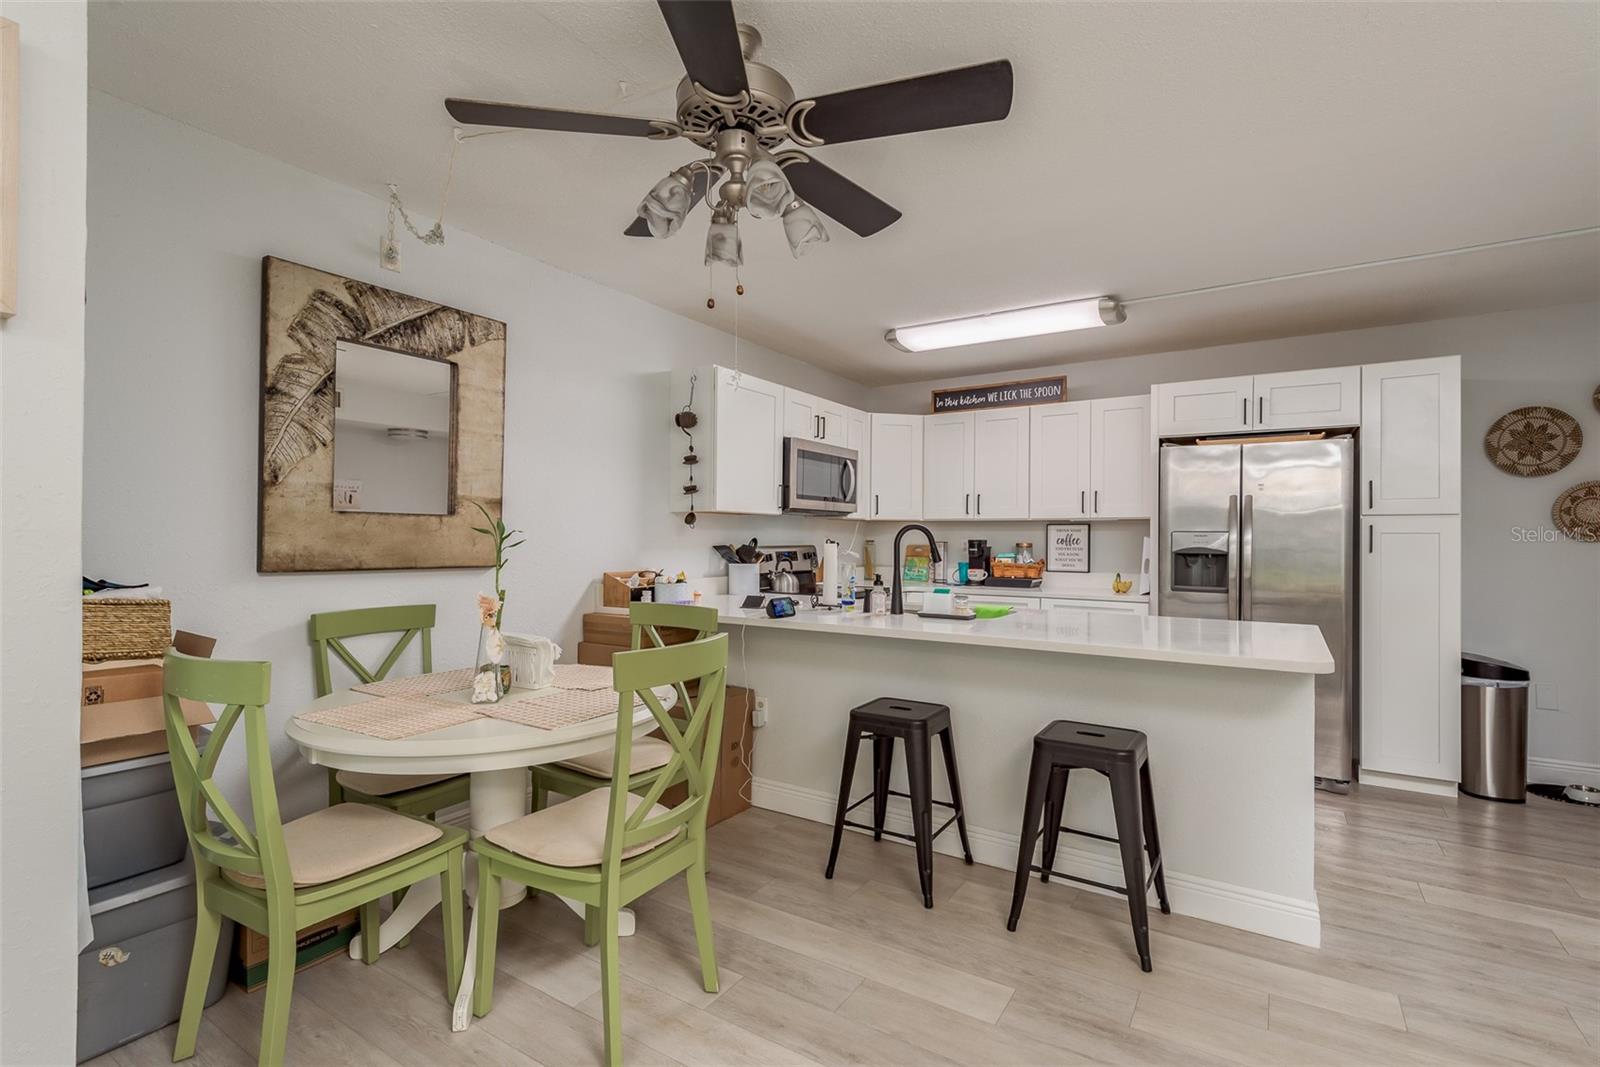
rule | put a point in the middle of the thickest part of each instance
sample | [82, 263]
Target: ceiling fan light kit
[742, 111]
[1009, 325]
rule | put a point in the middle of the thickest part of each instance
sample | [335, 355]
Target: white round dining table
[495, 755]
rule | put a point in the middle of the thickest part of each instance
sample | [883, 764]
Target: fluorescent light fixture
[1006, 325]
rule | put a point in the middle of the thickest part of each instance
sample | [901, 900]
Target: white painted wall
[179, 221]
[41, 479]
[1533, 602]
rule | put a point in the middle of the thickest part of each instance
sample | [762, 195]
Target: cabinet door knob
[966, 504]
[1097, 501]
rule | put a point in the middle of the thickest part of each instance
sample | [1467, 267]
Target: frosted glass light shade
[1006, 325]
[803, 227]
[722, 244]
[767, 191]
[667, 205]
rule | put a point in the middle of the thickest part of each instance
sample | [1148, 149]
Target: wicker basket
[1000, 568]
[125, 628]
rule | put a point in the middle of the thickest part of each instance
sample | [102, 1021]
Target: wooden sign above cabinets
[1002, 395]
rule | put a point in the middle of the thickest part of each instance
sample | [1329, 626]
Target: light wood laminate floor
[1454, 931]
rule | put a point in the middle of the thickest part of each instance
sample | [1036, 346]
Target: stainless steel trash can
[1494, 729]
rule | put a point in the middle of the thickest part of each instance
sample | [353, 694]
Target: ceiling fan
[743, 111]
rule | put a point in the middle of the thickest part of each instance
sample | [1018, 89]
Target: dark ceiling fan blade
[489, 113]
[930, 102]
[708, 43]
[698, 181]
[838, 197]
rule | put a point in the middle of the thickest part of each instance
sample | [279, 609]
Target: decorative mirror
[392, 447]
[382, 425]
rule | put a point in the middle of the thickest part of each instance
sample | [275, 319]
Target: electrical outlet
[759, 716]
[1546, 697]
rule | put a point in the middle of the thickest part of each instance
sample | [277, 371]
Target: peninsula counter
[1228, 708]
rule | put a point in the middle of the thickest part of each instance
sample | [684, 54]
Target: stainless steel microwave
[819, 479]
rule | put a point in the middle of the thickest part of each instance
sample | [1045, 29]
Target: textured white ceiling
[1151, 148]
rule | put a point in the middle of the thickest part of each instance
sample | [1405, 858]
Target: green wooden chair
[408, 794]
[608, 847]
[280, 877]
[650, 755]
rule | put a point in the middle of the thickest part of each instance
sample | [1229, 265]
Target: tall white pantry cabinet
[1410, 566]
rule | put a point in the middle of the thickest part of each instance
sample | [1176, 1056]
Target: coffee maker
[977, 555]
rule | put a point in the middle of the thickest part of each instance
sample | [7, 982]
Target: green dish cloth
[992, 611]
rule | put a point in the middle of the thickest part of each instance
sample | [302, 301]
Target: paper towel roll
[830, 572]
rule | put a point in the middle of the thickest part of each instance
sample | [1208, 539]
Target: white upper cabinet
[1308, 399]
[1000, 464]
[738, 437]
[835, 423]
[802, 415]
[947, 450]
[749, 444]
[858, 435]
[1058, 460]
[1122, 467]
[1217, 405]
[1411, 645]
[1411, 437]
[896, 467]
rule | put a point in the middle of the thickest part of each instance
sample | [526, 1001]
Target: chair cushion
[344, 839]
[647, 754]
[572, 833]
[385, 785]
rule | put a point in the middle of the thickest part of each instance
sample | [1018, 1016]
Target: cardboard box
[315, 943]
[120, 709]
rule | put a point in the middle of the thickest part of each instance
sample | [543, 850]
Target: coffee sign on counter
[1002, 395]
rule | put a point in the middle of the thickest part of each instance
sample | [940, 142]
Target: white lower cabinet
[1411, 645]
[1117, 607]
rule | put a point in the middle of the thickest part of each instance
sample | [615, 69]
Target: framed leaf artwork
[388, 382]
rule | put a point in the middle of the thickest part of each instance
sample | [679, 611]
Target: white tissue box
[532, 660]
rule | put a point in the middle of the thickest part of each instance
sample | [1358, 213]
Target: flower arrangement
[492, 679]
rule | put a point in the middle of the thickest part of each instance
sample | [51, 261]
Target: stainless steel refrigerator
[1266, 531]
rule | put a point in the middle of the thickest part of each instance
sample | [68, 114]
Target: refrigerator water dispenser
[1200, 561]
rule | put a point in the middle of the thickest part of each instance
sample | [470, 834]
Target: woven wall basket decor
[1532, 442]
[1576, 512]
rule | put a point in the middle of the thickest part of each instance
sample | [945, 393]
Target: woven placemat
[420, 685]
[552, 711]
[582, 676]
[391, 718]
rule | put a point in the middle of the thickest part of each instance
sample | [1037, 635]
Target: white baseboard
[1286, 918]
[1563, 772]
[1408, 782]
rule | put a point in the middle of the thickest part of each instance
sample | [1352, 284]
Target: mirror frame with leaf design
[305, 313]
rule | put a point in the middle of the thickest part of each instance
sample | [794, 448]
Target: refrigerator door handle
[1247, 521]
[1233, 557]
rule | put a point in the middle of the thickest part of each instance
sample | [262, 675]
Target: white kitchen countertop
[1263, 646]
[1093, 586]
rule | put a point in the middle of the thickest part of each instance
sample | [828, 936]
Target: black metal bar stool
[1123, 757]
[912, 721]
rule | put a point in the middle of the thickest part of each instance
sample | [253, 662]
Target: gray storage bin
[130, 980]
[131, 820]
